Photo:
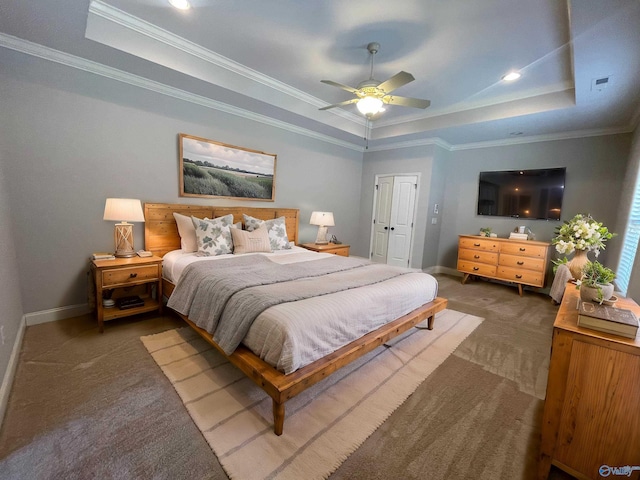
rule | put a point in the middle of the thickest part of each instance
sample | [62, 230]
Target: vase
[577, 263]
[592, 294]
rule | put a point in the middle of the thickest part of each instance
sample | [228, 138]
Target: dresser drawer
[521, 276]
[524, 250]
[478, 256]
[479, 243]
[477, 268]
[129, 276]
[528, 263]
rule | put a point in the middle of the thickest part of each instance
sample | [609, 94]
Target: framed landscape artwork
[214, 169]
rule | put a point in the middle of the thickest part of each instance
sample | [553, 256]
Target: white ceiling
[265, 59]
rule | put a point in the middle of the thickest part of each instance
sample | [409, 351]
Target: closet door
[382, 219]
[402, 205]
[393, 219]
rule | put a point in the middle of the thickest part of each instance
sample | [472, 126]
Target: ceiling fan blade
[398, 80]
[340, 85]
[341, 104]
[406, 101]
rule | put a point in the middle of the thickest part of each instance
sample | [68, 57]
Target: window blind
[629, 245]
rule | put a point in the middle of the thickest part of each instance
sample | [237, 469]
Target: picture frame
[213, 169]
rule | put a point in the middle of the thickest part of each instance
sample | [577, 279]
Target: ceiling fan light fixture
[370, 105]
[180, 4]
[511, 76]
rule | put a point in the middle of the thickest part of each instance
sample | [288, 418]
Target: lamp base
[321, 239]
[123, 236]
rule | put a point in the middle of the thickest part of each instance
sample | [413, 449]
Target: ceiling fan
[372, 94]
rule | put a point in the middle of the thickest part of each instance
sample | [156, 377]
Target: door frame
[415, 209]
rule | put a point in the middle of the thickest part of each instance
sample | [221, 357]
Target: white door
[382, 219]
[393, 222]
[402, 204]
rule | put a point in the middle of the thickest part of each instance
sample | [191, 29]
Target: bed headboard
[161, 232]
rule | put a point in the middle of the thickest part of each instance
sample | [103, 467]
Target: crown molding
[62, 58]
[153, 32]
[544, 138]
[466, 106]
[66, 59]
[413, 143]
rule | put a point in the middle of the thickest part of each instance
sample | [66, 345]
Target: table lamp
[123, 210]
[323, 220]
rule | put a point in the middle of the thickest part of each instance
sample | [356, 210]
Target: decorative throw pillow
[250, 242]
[277, 230]
[213, 236]
[187, 232]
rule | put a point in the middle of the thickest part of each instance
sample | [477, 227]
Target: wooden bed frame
[161, 236]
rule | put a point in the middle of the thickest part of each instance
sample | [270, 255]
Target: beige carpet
[324, 424]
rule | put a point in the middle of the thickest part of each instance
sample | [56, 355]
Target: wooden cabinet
[122, 274]
[334, 248]
[523, 262]
[591, 419]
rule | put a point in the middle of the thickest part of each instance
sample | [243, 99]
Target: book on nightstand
[103, 256]
[617, 321]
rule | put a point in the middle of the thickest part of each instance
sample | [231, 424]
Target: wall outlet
[2, 334]
[435, 208]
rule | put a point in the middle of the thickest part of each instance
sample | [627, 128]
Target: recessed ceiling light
[515, 134]
[511, 76]
[180, 4]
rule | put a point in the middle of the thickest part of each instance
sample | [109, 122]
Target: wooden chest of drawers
[523, 262]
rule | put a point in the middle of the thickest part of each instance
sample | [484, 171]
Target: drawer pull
[475, 269]
[518, 276]
[476, 244]
[522, 249]
[520, 263]
[476, 256]
[133, 275]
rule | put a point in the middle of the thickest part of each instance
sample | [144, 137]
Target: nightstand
[336, 249]
[120, 276]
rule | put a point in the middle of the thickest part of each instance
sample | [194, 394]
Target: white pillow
[277, 230]
[245, 241]
[187, 232]
[213, 236]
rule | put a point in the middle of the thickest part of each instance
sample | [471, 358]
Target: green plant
[582, 232]
[486, 231]
[594, 274]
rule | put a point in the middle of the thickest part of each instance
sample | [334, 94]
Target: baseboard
[44, 316]
[9, 374]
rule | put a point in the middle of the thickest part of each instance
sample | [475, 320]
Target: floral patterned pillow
[277, 231]
[213, 236]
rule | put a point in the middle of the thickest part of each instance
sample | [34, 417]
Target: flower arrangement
[582, 232]
[485, 232]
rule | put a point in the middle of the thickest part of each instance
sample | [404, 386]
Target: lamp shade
[323, 219]
[369, 105]
[123, 210]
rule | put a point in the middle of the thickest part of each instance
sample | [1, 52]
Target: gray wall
[67, 152]
[595, 173]
[402, 161]
[11, 311]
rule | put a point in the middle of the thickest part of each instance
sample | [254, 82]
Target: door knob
[386, 228]
[393, 228]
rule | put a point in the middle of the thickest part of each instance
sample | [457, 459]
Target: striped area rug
[324, 424]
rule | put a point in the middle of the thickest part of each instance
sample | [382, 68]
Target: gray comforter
[224, 297]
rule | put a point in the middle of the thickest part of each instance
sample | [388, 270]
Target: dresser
[591, 419]
[523, 262]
